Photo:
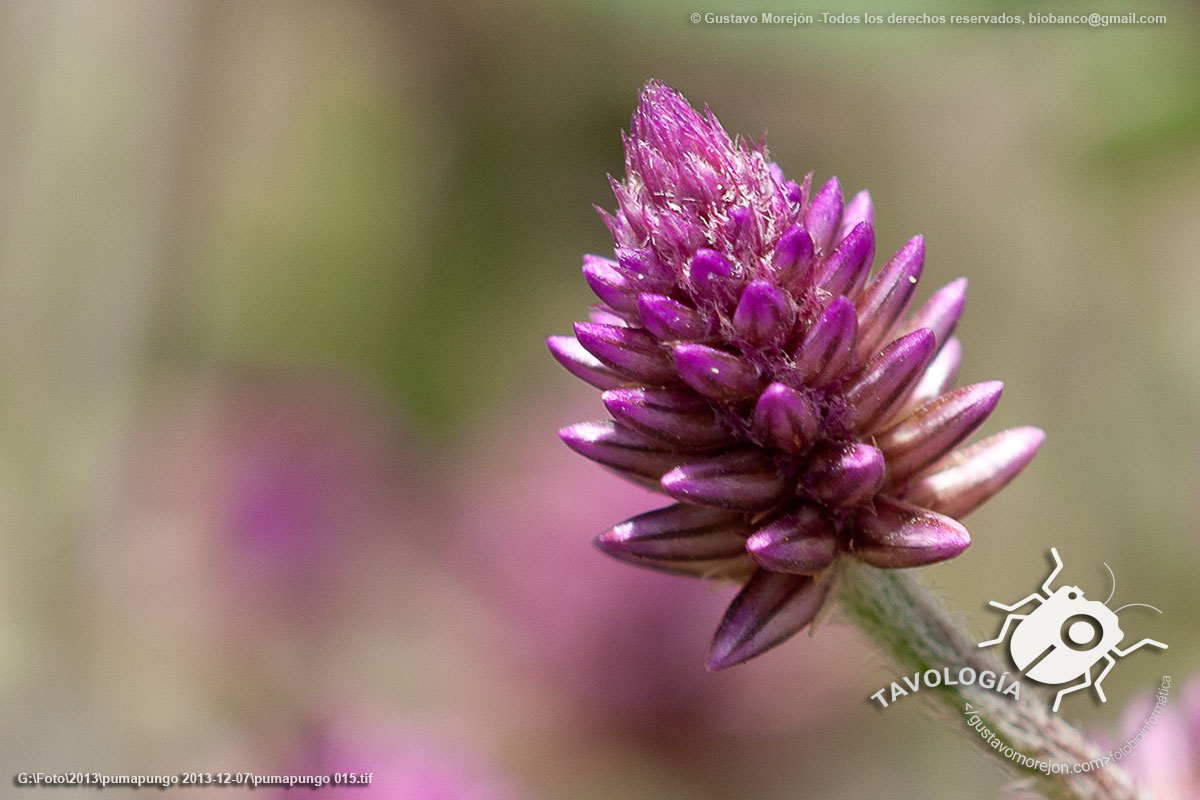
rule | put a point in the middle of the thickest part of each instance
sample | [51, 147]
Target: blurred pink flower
[401, 762]
[1166, 762]
[628, 644]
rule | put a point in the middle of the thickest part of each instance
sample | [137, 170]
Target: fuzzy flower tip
[760, 376]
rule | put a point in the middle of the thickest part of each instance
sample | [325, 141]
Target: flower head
[760, 376]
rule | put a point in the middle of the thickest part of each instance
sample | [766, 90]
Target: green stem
[912, 625]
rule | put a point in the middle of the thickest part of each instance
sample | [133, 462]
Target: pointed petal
[631, 351]
[846, 475]
[941, 311]
[716, 373]
[792, 263]
[825, 214]
[771, 607]
[583, 365]
[825, 353]
[936, 427]
[764, 315]
[670, 319]
[845, 270]
[676, 415]
[937, 378]
[887, 297]
[741, 480]
[802, 541]
[883, 384]
[897, 534]
[859, 209]
[623, 449]
[785, 419]
[713, 276]
[963, 480]
[609, 284]
[680, 538]
[604, 315]
[642, 267]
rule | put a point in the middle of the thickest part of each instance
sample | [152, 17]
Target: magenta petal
[670, 319]
[644, 269]
[583, 365]
[785, 419]
[846, 475]
[937, 378]
[859, 209]
[764, 314]
[940, 312]
[933, 429]
[609, 284]
[897, 534]
[803, 541]
[845, 271]
[740, 480]
[771, 607]
[623, 449]
[883, 384]
[677, 415]
[887, 297]
[631, 351]
[712, 276]
[716, 373]
[963, 480]
[792, 263]
[825, 353]
[679, 538]
[825, 214]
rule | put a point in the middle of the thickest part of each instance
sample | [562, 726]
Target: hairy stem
[912, 625]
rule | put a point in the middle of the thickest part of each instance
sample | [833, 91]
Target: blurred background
[279, 484]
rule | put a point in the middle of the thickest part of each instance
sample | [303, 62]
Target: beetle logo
[1065, 636]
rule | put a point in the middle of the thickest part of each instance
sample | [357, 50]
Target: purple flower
[760, 376]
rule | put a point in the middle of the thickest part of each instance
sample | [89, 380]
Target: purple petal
[771, 607]
[825, 353]
[938, 377]
[741, 480]
[845, 271]
[623, 449]
[935, 428]
[609, 284]
[676, 415]
[669, 319]
[803, 541]
[859, 209]
[887, 297]
[632, 351]
[603, 315]
[764, 315]
[897, 534]
[742, 230]
[941, 311]
[644, 269]
[785, 419]
[679, 538]
[583, 365]
[716, 373]
[712, 276]
[825, 214]
[846, 475]
[963, 480]
[883, 384]
[792, 263]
